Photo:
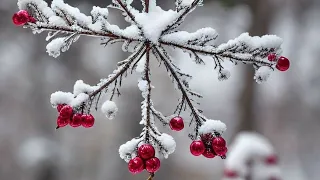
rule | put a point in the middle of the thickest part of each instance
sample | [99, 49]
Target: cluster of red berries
[22, 17]
[209, 146]
[270, 160]
[176, 123]
[67, 116]
[145, 160]
[283, 63]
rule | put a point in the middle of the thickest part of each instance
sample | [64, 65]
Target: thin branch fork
[122, 70]
[194, 111]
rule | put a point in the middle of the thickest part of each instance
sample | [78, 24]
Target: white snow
[143, 85]
[126, 150]
[81, 87]
[60, 97]
[54, 47]
[56, 20]
[224, 75]
[211, 126]
[41, 5]
[98, 12]
[168, 144]
[154, 22]
[109, 109]
[262, 74]
[79, 99]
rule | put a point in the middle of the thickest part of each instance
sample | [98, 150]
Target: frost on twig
[150, 33]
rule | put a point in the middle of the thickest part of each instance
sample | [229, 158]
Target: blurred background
[286, 109]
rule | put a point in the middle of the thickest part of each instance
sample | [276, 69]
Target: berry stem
[151, 176]
[196, 114]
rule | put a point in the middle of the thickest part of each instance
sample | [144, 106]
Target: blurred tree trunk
[261, 19]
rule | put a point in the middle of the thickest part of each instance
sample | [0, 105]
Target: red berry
[176, 123]
[20, 18]
[207, 138]
[62, 121]
[146, 151]
[219, 142]
[136, 165]
[66, 111]
[197, 148]
[230, 173]
[153, 165]
[283, 64]
[272, 57]
[87, 120]
[60, 106]
[271, 160]
[208, 153]
[76, 120]
[220, 151]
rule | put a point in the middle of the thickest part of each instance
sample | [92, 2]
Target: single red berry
[146, 151]
[230, 173]
[219, 142]
[207, 138]
[153, 165]
[62, 122]
[66, 111]
[176, 123]
[136, 165]
[20, 18]
[60, 106]
[271, 160]
[283, 64]
[87, 120]
[220, 151]
[197, 148]
[76, 120]
[209, 153]
[272, 57]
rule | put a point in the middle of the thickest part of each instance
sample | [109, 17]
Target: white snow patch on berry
[81, 98]
[168, 144]
[262, 74]
[128, 149]
[54, 47]
[60, 97]
[211, 126]
[109, 109]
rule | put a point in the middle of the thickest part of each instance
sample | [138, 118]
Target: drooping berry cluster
[145, 160]
[283, 63]
[209, 146]
[67, 116]
[22, 17]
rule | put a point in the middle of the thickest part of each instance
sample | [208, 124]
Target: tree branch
[148, 98]
[128, 12]
[146, 2]
[121, 70]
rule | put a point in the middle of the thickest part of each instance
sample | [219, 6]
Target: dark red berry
[209, 153]
[176, 123]
[219, 141]
[153, 165]
[271, 160]
[76, 120]
[66, 111]
[230, 173]
[62, 121]
[197, 148]
[220, 151]
[272, 57]
[283, 64]
[60, 106]
[136, 165]
[146, 151]
[87, 120]
[20, 18]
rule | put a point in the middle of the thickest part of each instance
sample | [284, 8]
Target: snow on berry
[109, 109]
[262, 74]
[150, 34]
